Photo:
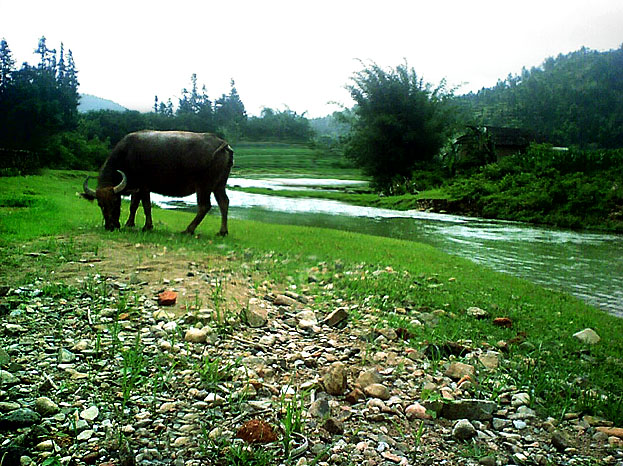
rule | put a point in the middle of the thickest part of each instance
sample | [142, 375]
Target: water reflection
[588, 265]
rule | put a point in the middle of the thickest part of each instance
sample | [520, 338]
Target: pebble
[463, 430]
[333, 372]
[369, 377]
[6, 378]
[377, 390]
[335, 379]
[90, 414]
[46, 407]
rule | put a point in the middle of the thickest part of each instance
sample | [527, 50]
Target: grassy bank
[574, 189]
[395, 279]
[360, 197]
[293, 160]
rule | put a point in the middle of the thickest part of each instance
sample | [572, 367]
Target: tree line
[40, 124]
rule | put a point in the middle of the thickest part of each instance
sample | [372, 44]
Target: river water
[587, 265]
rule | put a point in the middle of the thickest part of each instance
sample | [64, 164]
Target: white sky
[299, 53]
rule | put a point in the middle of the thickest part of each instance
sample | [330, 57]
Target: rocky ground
[103, 370]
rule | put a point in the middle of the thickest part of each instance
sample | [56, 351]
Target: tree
[37, 102]
[195, 111]
[7, 65]
[400, 123]
[230, 114]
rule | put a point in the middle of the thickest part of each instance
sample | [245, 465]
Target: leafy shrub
[564, 188]
[71, 150]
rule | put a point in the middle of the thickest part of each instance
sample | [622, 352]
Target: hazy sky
[299, 53]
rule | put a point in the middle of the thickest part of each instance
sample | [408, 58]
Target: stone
[503, 322]
[5, 359]
[161, 314]
[268, 340]
[196, 335]
[65, 356]
[46, 445]
[487, 461]
[81, 345]
[560, 441]
[417, 411]
[355, 396]
[499, 424]
[474, 410]
[6, 378]
[256, 431]
[23, 417]
[306, 319]
[85, 435]
[588, 336]
[336, 317]
[90, 414]
[333, 426]
[167, 298]
[490, 359]
[463, 430]
[214, 399]
[520, 399]
[477, 313]
[611, 431]
[283, 300]
[6, 406]
[320, 408]
[458, 370]
[256, 315]
[393, 458]
[369, 377]
[46, 407]
[377, 390]
[334, 381]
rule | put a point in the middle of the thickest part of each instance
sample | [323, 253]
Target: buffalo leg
[135, 200]
[146, 201]
[203, 207]
[223, 205]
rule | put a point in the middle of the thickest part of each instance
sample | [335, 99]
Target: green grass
[356, 196]
[294, 160]
[402, 280]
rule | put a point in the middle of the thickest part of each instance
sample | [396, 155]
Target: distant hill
[90, 103]
[573, 99]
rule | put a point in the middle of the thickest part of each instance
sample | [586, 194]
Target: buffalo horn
[121, 186]
[88, 190]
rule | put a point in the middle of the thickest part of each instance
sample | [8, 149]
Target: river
[587, 265]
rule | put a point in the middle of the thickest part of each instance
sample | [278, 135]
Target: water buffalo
[171, 163]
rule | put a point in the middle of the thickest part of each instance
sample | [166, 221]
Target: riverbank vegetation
[398, 279]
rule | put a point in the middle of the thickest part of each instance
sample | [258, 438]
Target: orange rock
[503, 322]
[612, 431]
[256, 431]
[167, 298]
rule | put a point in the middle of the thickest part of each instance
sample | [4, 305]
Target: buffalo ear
[86, 196]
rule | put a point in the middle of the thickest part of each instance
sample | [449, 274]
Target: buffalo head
[109, 200]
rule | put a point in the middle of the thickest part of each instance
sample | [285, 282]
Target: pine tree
[7, 65]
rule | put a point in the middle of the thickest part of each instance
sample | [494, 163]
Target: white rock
[195, 335]
[90, 414]
[588, 336]
[306, 319]
[520, 399]
[85, 435]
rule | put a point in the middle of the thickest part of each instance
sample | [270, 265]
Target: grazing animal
[171, 163]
